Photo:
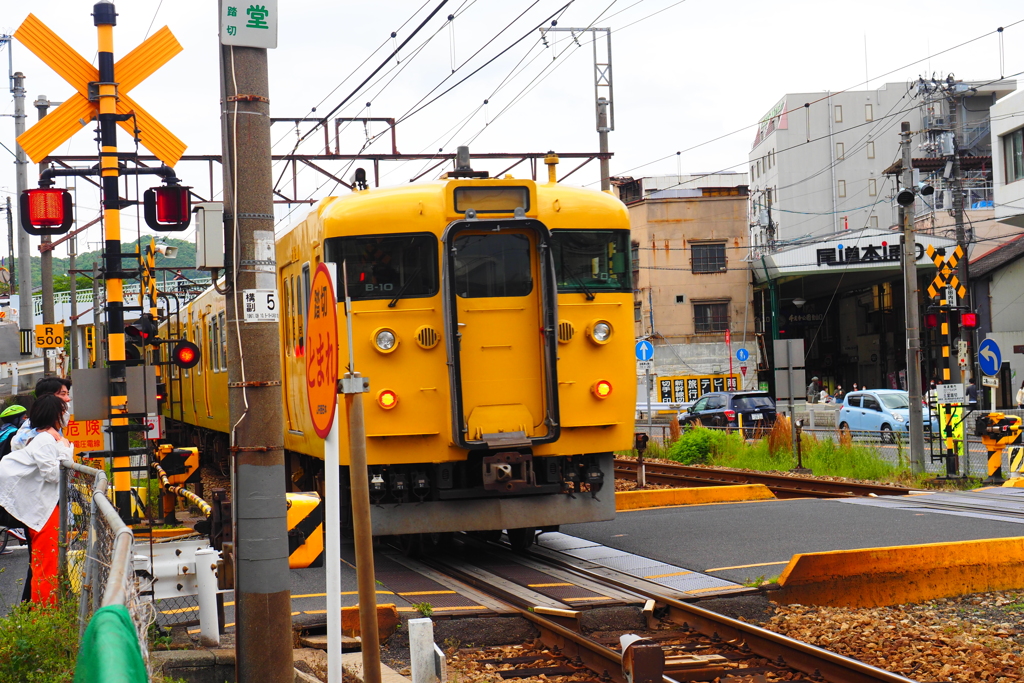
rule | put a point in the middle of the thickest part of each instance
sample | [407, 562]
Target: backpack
[7, 433]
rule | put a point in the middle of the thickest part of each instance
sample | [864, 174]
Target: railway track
[781, 485]
[683, 642]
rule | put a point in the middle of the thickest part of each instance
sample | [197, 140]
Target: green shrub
[700, 445]
[39, 644]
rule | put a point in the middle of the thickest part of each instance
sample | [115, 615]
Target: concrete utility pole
[263, 648]
[912, 312]
[11, 284]
[25, 313]
[46, 256]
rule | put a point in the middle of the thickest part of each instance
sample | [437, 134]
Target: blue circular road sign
[742, 355]
[989, 357]
[644, 350]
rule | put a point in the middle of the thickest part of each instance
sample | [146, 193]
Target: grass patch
[39, 644]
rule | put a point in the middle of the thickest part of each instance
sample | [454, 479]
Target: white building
[817, 162]
[1008, 159]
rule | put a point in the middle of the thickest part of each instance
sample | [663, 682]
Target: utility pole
[25, 304]
[12, 282]
[604, 98]
[263, 646]
[46, 257]
[911, 311]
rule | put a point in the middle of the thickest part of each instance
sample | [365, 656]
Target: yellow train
[493, 318]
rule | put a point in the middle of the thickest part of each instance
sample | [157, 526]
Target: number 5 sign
[260, 305]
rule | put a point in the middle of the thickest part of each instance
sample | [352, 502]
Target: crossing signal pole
[263, 644]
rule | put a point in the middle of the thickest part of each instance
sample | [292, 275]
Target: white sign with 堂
[249, 24]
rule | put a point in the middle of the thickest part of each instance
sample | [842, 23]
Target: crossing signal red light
[168, 208]
[969, 320]
[142, 331]
[46, 211]
[185, 354]
[931, 320]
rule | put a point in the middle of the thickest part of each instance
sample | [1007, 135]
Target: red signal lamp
[969, 320]
[602, 388]
[931, 320]
[185, 354]
[387, 399]
[168, 208]
[46, 211]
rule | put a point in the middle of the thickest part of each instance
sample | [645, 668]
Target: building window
[680, 298]
[871, 150]
[710, 316]
[873, 221]
[872, 187]
[638, 312]
[840, 150]
[869, 113]
[758, 168]
[839, 113]
[708, 258]
[1013, 155]
[841, 188]
[752, 176]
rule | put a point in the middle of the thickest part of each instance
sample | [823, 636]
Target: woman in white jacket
[30, 489]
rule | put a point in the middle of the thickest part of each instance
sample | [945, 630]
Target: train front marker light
[385, 340]
[387, 399]
[600, 331]
[602, 388]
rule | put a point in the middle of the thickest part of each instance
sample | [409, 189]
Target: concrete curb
[654, 498]
[209, 666]
[875, 577]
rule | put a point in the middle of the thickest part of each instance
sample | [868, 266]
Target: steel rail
[782, 650]
[783, 486]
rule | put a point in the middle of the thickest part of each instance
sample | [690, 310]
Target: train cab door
[500, 307]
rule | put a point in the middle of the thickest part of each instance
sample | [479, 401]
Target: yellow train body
[493, 319]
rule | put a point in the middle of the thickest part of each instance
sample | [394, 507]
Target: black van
[726, 408]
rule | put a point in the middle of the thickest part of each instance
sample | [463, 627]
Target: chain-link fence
[98, 553]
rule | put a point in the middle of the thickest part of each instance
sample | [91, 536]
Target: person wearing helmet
[10, 420]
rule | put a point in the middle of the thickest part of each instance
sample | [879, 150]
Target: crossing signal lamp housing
[168, 208]
[143, 331]
[969, 320]
[931, 320]
[185, 354]
[46, 211]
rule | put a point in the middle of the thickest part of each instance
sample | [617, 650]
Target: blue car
[879, 410]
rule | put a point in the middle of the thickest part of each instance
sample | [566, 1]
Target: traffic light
[46, 211]
[167, 208]
[185, 354]
[969, 320]
[161, 394]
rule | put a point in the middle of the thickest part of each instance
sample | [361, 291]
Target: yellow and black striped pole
[105, 18]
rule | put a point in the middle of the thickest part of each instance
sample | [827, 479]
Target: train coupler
[508, 471]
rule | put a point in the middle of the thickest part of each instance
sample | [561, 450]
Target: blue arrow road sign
[742, 355]
[644, 350]
[989, 357]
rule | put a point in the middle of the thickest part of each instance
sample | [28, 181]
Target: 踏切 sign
[322, 352]
[50, 336]
[260, 305]
[248, 24]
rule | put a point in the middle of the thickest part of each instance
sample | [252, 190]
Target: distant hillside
[184, 261]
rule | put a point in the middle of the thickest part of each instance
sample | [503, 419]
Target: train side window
[385, 266]
[287, 316]
[591, 260]
[223, 342]
[492, 265]
[303, 305]
[210, 346]
[199, 342]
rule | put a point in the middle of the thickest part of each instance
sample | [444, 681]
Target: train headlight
[387, 399]
[602, 388]
[385, 340]
[600, 331]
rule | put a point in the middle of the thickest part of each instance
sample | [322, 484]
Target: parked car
[726, 409]
[879, 410]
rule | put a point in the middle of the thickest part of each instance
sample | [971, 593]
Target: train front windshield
[385, 267]
[591, 260]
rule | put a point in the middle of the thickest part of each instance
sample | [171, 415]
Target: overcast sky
[687, 75]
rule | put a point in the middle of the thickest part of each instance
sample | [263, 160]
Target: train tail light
[387, 399]
[602, 388]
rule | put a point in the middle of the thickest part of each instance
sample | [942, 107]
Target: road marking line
[745, 566]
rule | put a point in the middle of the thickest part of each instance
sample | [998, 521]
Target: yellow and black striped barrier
[997, 431]
[305, 530]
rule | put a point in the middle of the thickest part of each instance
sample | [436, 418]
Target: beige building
[692, 286]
